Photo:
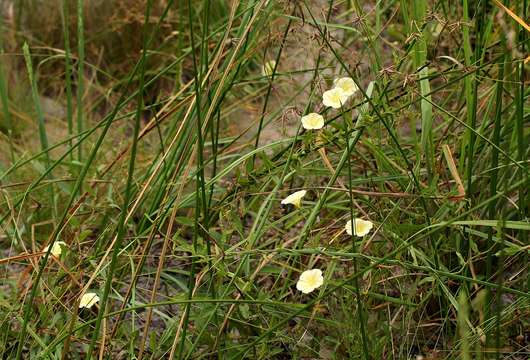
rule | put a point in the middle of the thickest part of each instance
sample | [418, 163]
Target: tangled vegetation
[264, 179]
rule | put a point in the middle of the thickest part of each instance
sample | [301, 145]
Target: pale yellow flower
[310, 280]
[362, 227]
[88, 300]
[295, 198]
[335, 98]
[268, 68]
[56, 248]
[313, 121]
[347, 85]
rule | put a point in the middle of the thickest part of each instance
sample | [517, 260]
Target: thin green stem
[494, 207]
[65, 16]
[360, 307]
[80, 73]
[43, 136]
[200, 192]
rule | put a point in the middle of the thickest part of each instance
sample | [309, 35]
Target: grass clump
[262, 179]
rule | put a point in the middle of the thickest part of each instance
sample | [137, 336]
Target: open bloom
[347, 85]
[310, 280]
[88, 300]
[362, 227]
[313, 121]
[295, 198]
[335, 98]
[268, 68]
[56, 248]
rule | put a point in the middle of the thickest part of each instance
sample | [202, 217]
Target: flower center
[312, 281]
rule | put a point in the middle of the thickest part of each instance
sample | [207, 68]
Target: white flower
[362, 227]
[347, 85]
[56, 248]
[310, 280]
[268, 68]
[295, 198]
[335, 98]
[313, 121]
[88, 300]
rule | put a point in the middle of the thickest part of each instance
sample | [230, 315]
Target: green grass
[145, 137]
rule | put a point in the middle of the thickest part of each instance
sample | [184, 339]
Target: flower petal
[310, 280]
[88, 300]
[56, 248]
[313, 121]
[362, 227]
[268, 68]
[334, 98]
[295, 198]
[347, 85]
